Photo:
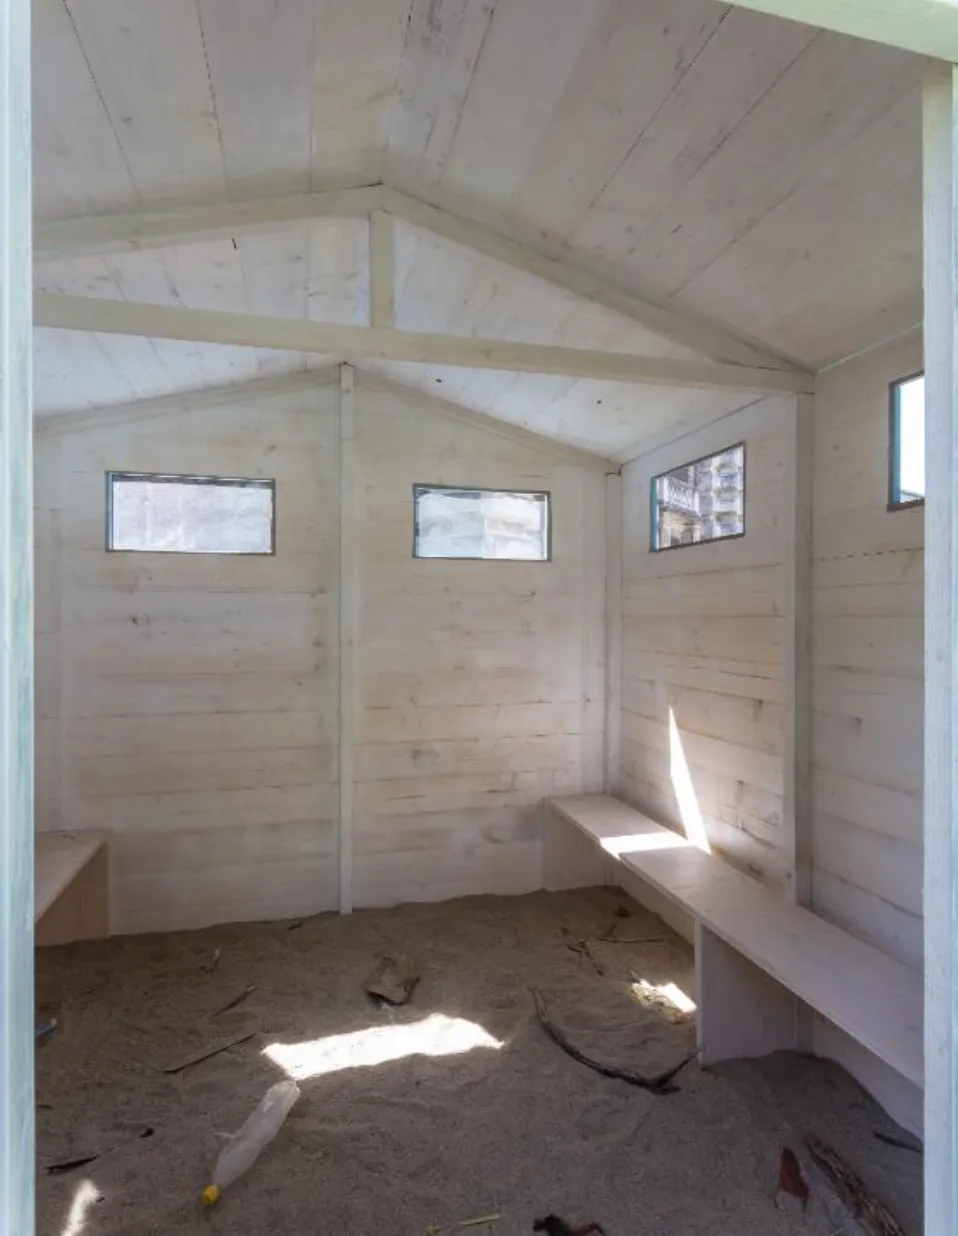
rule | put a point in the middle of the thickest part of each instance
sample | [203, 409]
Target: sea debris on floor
[873, 1215]
[212, 1049]
[43, 1031]
[659, 1083]
[791, 1179]
[582, 950]
[70, 1165]
[234, 1001]
[461, 1224]
[899, 1143]
[209, 967]
[555, 1225]
[251, 1138]
[393, 978]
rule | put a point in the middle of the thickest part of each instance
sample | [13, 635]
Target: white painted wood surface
[190, 704]
[348, 614]
[941, 647]
[705, 656]
[867, 664]
[870, 996]
[480, 686]
[17, 1151]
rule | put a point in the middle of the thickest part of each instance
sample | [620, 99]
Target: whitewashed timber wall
[867, 688]
[703, 644]
[480, 684]
[191, 703]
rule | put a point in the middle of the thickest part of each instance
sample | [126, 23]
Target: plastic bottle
[247, 1143]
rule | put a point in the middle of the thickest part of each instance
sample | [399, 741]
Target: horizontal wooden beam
[180, 225]
[90, 313]
[929, 27]
[677, 325]
[104, 234]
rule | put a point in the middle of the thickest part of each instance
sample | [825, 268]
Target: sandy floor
[389, 1149]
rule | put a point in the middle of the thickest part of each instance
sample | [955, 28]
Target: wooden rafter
[122, 317]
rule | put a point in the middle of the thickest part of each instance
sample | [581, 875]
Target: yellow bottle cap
[211, 1194]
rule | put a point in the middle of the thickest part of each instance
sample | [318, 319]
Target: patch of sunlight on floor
[436, 1035]
[689, 808]
[86, 1194]
[667, 993]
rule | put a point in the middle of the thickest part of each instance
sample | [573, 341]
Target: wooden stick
[233, 1001]
[658, 1084]
[865, 1206]
[213, 1049]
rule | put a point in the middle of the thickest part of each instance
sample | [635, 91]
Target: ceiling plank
[928, 27]
[357, 342]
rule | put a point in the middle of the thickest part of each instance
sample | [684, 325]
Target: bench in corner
[71, 887]
[756, 954]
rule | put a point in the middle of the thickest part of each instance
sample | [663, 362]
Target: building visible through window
[157, 513]
[906, 473]
[700, 501]
[481, 523]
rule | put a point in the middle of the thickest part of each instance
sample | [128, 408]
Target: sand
[391, 1148]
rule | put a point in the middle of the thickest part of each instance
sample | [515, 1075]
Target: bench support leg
[82, 911]
[570, 859]
[742, 1011]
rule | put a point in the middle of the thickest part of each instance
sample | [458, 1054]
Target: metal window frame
[423, 488]
[895, 502]
[654, 546]
[170, 478]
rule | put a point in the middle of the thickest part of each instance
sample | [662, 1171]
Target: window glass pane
[908, 446]
[481, 523]
[701, 501]
[190, 514]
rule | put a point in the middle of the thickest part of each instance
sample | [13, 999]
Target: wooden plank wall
[867, 690]
[190, 703]
[480, 684]
[868, 670]
[703, 654]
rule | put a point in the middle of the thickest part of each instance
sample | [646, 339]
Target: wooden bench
[756, 954]
[71, 882]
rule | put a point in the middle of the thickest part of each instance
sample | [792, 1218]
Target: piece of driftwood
[629, 940]
[899, 1142]
[791, 1179]
[70, 1165]
[555, 1225]
[461, 1224]
[659, 1083]
[867, 1209]
[213, 1049]
[234, 1001]
[392, 978]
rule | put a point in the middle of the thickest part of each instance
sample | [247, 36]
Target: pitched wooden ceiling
[753, 170]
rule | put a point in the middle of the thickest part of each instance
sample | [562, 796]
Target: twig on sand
[234, 1001]
[581, 949]
[873, 1215]
[213, 1049]
[659, 1083]
[481, 1221]
[899, 1142]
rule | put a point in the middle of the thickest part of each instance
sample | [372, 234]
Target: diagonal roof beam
[118, 233]
[91, 313]
[678, 325]
[929, 27]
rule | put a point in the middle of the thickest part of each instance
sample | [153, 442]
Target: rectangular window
[155, 513]
[481, 523]
[906, 455]
[701, 501]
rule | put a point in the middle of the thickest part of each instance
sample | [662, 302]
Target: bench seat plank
[872, 997]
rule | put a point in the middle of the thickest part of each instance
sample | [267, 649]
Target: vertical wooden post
[797, 558]
[347, 631]
[941, 648]
[613, 632]
[382, 296]
[16, 630]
